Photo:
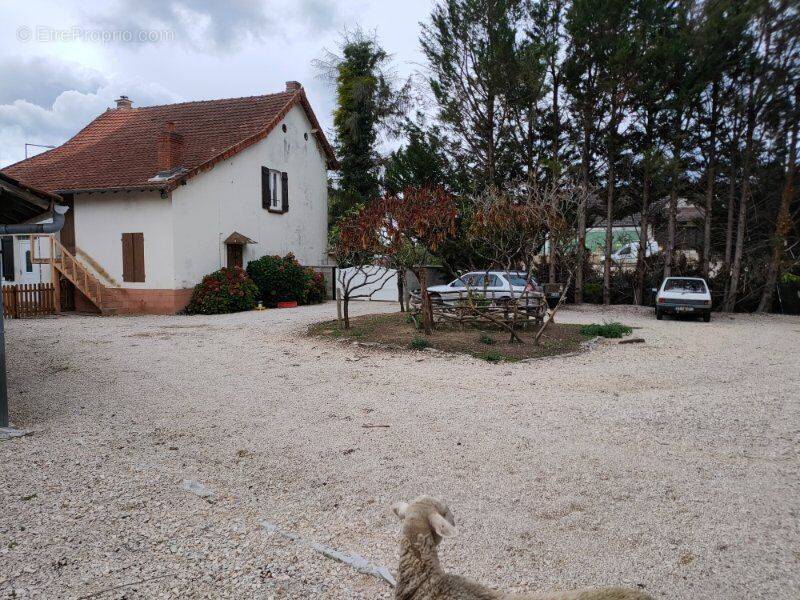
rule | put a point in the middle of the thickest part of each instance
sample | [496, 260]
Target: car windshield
[693, 286]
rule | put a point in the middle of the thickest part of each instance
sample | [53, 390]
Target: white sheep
[426, 521]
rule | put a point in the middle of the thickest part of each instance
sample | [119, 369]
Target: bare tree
[357, 283]
[511, 227]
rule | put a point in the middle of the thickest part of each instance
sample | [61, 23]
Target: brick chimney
[124, 102]
[293, 86]
[170, 148]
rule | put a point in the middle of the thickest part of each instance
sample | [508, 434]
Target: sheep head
[427, 513]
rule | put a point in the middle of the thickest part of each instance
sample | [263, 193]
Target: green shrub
[419, 343]
[279, 279]
[317, 292]
[487, 339]
[593, 293]
[607, 330]
[476, 299]
[491, 356]
[224, 291]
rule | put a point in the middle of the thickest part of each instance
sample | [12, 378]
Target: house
[623, 231]
[689, 220]
[162, 195]
[688, 233]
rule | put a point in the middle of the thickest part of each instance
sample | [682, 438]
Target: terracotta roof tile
[119, 149]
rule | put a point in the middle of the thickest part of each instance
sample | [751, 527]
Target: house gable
[228, 198]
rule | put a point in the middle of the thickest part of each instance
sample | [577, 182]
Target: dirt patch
[492, 345]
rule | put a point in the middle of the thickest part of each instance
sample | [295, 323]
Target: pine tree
[647, 90]
[599, 65]
[422, 162]
[366, 102]
[471, 50]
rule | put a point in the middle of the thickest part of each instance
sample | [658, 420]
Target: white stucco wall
[101, 219]
[227, 198]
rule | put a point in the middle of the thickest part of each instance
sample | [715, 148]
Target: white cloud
[40, 79]
[218, 50]
[23, 121]
[319, 15]
[200, 24]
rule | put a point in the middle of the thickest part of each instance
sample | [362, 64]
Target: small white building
[160, 196]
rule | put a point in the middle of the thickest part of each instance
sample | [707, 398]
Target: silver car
[499, 286]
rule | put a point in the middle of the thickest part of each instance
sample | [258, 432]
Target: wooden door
[67, 234]
[235, 255]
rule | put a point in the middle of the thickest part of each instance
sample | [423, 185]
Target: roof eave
[124, 188]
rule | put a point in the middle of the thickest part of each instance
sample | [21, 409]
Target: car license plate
[684, 309]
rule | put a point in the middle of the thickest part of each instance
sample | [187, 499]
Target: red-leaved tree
[403, 231]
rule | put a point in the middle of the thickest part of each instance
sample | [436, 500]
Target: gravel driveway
[671, 464]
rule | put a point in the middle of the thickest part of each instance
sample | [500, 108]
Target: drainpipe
[57, 212]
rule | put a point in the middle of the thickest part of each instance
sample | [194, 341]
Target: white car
[496, 285]
[683, 296]
[629, 253]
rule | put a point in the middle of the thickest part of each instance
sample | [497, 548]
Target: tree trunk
[490, 157]
[609, 232]
[581, 249]
[644, 222]
[673, 202]
[554, 167]
[346, 310]
[401, 288]
[425, 308]
[733, 288]
[644, 240]
[731, 221]
[711, 175]
[781, 227]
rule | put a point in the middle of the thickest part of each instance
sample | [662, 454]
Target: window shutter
[138, 256]
[265, 195]
[127, 257]
[133, 257]
[285, 191]
[8, 258]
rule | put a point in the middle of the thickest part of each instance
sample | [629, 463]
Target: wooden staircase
[64, 262]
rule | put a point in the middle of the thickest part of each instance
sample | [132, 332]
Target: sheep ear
[400, 509]
[441, 526]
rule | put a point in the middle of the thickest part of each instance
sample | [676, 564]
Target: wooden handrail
[65, 262]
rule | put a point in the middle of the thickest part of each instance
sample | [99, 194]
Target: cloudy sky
[63, 62]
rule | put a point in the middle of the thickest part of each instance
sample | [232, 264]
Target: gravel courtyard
[673, 464]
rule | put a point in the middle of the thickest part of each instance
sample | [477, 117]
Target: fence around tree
[467, 309]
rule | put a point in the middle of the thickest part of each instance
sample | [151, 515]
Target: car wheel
[707, 316]
[435, 298]
[659, 315]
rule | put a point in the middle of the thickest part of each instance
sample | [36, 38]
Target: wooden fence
[28, 300]
[468, 309]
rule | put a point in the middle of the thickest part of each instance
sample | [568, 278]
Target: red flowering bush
[279, 279]
[224, 291]
[317, 292]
